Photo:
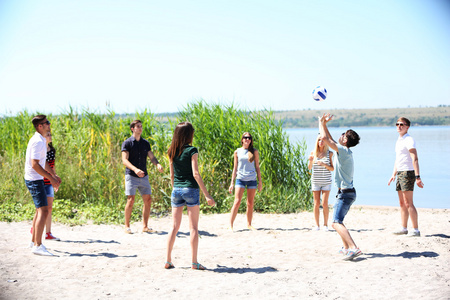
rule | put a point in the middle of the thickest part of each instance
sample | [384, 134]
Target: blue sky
[161, 55]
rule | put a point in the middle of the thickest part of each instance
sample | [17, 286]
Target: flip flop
[198, 266]
[128, 231]
[169, 265]
[148, 230]
[251, 228]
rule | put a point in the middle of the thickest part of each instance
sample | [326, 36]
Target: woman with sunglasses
[321, 164]
[406, 168]
[245, 171]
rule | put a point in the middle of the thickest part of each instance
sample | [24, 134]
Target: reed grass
[88, 159]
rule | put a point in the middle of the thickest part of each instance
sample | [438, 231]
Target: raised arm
[327, 138]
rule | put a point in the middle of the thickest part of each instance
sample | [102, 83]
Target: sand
[283, 258]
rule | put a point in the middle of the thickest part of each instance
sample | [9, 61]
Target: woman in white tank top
[321, 163]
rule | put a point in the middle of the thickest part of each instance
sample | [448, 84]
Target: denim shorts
[342, 205]
[316, 187]
[49, 191]
[251, 184]
[405, 181]
[185, 196]
[37, 191]
[132, 183]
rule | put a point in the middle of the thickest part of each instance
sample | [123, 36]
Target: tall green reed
[88, 159]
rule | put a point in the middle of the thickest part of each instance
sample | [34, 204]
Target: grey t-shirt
[344, 168]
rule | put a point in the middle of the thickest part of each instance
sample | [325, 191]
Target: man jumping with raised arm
[344, 181]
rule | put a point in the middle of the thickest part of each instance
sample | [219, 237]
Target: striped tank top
[320, 175]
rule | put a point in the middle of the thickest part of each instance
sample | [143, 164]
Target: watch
[417, 176]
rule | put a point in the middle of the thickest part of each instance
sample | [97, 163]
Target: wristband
[417, 176]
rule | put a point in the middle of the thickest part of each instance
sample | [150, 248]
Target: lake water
[374, 161]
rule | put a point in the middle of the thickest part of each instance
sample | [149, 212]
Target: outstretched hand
[325, 118]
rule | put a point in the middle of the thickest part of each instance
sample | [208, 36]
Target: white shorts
[316, 187]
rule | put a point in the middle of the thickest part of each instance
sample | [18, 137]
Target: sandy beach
[283, 258]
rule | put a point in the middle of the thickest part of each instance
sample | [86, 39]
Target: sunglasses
[399, 124]
[46, 122]
[247, 138]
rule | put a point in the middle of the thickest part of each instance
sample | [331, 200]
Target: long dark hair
[50, 145]
[251, 150]
[182, 135]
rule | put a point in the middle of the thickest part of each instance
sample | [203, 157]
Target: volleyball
[319, 93]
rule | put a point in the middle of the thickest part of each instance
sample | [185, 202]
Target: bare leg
[326, 210]
[39, 225]
[250, 205]
[316, 195]
[128, 210]
[193, 214]
[239, 192]
[404, 213]
[345, 236]
[146, 210]
[32, 225]
[48, 223]
[411, 209]
[177, 214]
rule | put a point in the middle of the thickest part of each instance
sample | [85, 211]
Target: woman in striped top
[321, 163]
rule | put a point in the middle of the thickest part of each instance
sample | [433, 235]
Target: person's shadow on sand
[405, 254]
[224, 269]
[441, 235]
[89, 241]
[200, 232]
[274, 229]
[104, 254]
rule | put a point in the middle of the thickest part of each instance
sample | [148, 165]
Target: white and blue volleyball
[319, 93]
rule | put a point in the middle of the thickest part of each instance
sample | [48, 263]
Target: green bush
[88, 159]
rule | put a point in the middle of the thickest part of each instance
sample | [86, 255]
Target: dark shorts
[37, 191]
[405, 181]
[342, 205]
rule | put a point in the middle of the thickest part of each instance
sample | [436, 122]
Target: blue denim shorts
[141, 183]
[49, 191]
[37, 191]
[316, 187]
[185, 196]
[251, 184]
[342, 205]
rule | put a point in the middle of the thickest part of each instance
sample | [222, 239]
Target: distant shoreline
[358, 117]
[377, 117]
